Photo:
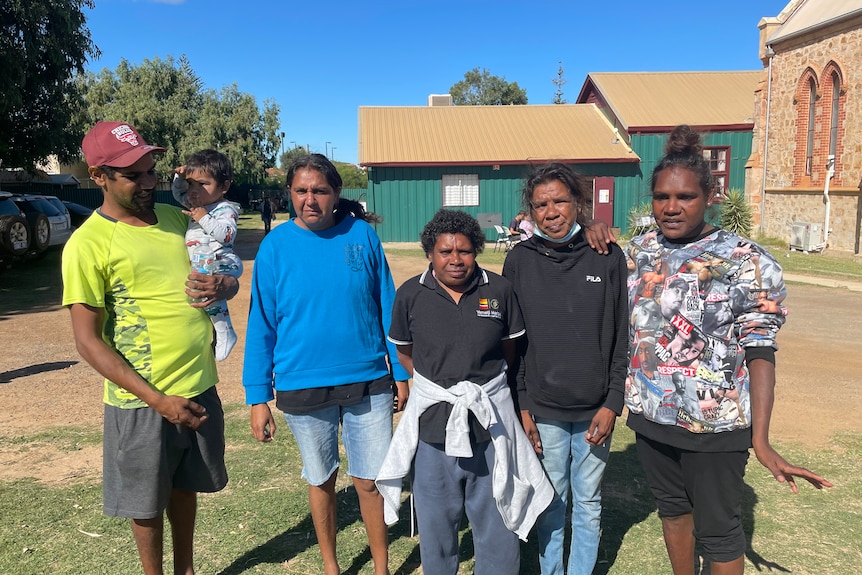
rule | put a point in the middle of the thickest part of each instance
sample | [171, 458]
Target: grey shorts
[145, 457]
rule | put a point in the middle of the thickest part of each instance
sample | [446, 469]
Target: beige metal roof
[813, 14]
[487, 135]
[653, 100]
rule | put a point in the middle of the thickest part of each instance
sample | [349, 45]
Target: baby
[201, 186]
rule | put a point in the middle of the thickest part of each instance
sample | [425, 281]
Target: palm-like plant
[736, 213]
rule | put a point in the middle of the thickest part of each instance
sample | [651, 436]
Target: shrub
[640, 219]
[736, 213]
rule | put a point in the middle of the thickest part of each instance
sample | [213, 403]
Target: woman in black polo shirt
[454, 326]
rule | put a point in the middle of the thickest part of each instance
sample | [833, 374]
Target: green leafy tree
[559, 82]
[287, 158]
[165, 100]
[351, 176]
[480, 88]
[43, 44]
[161, 98]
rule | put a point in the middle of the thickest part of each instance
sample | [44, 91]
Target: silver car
[50, 223]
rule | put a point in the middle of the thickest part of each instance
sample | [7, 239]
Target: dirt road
[44, 383]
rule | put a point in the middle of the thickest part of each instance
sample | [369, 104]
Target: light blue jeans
[571, 463]
[366, 429]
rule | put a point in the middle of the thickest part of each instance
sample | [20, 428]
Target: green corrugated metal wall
[635, 190]
[408, 197]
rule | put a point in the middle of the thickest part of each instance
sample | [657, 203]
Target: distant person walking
[266, 214]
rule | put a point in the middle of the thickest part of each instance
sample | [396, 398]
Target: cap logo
[125, 134]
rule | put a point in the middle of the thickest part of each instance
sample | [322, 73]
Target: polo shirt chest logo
[489, 308]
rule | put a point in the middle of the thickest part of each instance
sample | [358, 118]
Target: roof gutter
[523, 162]
[741, 127]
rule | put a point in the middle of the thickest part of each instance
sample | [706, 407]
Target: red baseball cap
[115, 144]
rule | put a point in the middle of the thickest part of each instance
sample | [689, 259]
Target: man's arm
[87, 328]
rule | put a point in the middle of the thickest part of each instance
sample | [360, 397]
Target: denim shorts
[366, 429]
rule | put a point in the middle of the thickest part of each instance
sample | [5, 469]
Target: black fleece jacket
[574, 357]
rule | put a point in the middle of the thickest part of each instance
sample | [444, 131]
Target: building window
[719, 165]
[809, 145]
[833, 126]
[460, 190]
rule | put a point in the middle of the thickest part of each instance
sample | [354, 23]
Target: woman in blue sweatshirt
[320, 309]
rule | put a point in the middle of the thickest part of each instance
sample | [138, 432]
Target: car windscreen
[31, 205]
[58, 204]
[8, 208]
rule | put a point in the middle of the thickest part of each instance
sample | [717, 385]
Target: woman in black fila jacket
[572, 374]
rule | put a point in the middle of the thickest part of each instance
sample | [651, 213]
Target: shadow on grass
[8, 376]
[32, 286]
[300, 538]
[627, 501]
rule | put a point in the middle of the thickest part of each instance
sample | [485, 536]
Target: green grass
[260, 522]
[825, 265]
[251, 221]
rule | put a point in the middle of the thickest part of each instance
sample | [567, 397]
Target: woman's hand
[402, 393]
[262, 423]
[531, 430]
[598, 235]
[785, 472]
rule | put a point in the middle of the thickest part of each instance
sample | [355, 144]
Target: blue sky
[321, 60]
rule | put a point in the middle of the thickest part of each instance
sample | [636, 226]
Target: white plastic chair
[504, 238]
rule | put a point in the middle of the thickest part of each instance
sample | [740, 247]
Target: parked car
[14, 232]
[78, 212]
[49, 225]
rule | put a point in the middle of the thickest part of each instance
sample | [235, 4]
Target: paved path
[826, 282]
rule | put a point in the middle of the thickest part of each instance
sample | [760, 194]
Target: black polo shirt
[455, 342]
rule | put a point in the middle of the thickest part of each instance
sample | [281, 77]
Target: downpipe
[830, 172]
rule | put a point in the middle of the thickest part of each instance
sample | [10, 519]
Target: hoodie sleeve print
[620, 353]
[756, 298]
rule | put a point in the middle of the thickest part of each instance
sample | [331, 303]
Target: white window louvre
[460, 190]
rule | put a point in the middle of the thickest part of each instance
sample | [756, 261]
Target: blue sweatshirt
[321, 304]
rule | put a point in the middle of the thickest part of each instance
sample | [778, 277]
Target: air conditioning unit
[440, 99]
[805, 236]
